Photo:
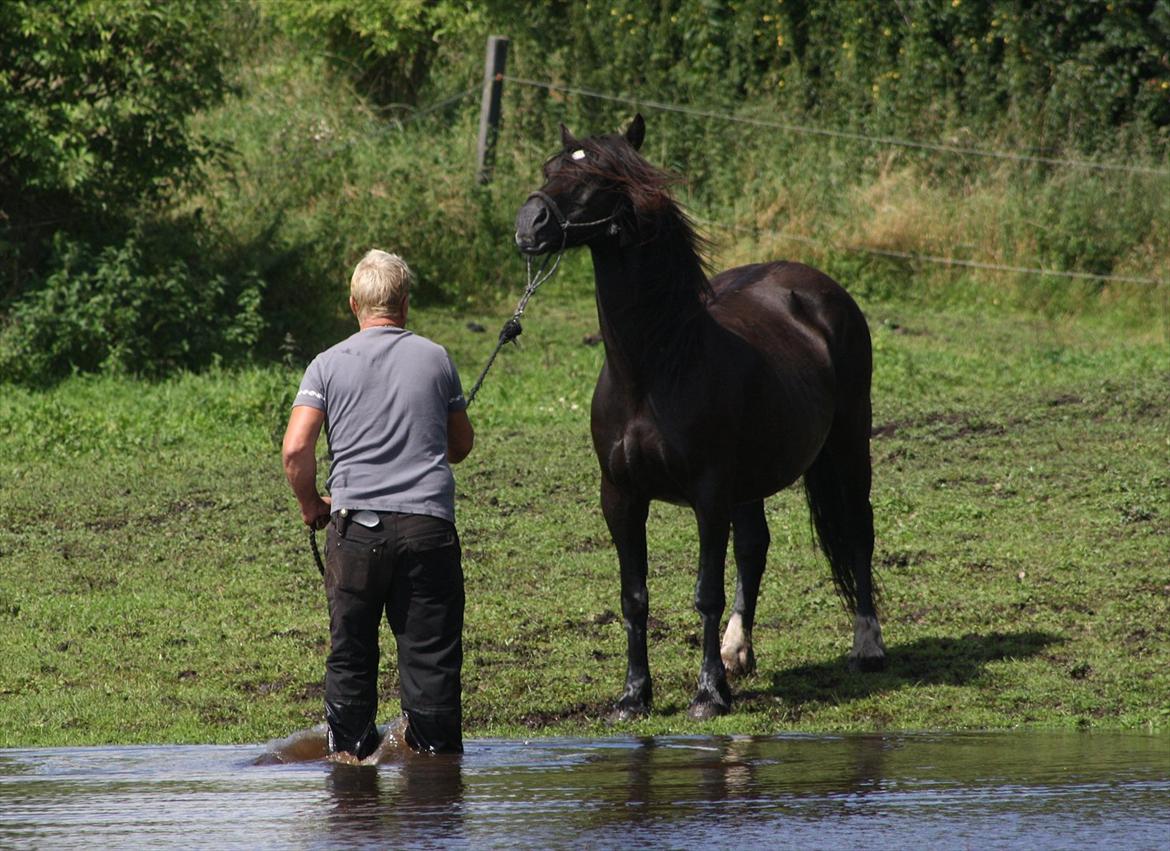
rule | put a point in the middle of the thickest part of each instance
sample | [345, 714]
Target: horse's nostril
[529, 222]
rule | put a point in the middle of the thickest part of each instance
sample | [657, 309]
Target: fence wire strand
[910, 256]
[892, 141]
[929, 258]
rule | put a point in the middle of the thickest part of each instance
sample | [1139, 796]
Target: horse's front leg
[626, 517]
[713, 697]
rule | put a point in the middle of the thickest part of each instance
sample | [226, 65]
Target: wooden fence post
[489, 110]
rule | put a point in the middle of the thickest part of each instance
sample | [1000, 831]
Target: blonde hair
[380, 284]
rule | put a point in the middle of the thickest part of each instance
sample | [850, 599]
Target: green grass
[156, 584]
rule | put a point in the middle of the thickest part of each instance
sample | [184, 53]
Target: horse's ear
[636, 132]
[567, 138]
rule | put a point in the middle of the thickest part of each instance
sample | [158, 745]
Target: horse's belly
[759, 483]
[762, 474]
[776, 447]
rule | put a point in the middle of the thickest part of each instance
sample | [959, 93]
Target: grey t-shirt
[386, 394]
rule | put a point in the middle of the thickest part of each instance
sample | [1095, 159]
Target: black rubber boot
[352, 729]
[434, 732]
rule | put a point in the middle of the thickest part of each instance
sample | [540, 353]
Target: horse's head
[594, 189]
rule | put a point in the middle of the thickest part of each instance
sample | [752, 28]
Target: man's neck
[380, 322]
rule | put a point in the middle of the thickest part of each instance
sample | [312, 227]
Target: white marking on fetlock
[867, 638]
[736, 648]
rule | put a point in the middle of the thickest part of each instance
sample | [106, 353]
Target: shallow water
[1035, 790]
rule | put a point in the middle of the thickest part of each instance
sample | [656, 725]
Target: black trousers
[410, 567]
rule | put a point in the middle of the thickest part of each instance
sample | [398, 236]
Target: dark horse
[714, 394]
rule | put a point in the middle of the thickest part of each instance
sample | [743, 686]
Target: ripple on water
[962, 790]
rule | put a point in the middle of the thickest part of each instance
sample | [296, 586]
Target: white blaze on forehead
[579, 154]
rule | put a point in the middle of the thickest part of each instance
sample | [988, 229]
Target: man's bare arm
[299, 454]
[460, 436]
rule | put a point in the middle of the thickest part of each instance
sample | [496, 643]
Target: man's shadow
[938, 660]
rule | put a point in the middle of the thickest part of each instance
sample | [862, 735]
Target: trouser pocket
[351, 562]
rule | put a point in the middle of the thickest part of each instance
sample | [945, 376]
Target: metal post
[489, 111]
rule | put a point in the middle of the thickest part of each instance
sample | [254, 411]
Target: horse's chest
[636, 459]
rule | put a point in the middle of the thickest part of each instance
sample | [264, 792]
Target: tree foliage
[1065, 73]
[387, 48]
[1045, 75]
[95, 102]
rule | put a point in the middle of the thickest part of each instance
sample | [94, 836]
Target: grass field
[156, 584]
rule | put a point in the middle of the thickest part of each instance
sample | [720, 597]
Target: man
[395, 417]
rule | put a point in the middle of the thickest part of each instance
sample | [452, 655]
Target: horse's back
[779, 287]
[785, 306]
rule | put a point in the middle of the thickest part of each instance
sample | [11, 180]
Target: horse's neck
[649, 307]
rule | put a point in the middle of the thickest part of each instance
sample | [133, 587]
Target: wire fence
[916, 257]
[440, 104]
[910, 256]
[890, 141]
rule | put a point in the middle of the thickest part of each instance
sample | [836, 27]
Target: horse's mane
[675, 292]
[614, 163]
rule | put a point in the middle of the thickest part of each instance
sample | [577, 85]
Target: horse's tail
[838, 482]
[827, 503]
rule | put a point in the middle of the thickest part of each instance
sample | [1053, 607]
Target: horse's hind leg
[837, 486]
[751, 539]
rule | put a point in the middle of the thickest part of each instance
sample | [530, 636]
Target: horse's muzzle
[533, 218]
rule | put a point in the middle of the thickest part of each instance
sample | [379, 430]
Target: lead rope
[512, 328]
[316, 552]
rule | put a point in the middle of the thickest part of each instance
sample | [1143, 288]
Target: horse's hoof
[705, 709]
[736, 651]
[628, 710]
[740, 662]
[867, 664]
[711, 702]
[869, 651]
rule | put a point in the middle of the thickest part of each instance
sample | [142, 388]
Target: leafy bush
[129, 308]
[1055, 74]
[95, 96]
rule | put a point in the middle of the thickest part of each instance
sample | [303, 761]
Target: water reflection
[985, 790]
[404, 805]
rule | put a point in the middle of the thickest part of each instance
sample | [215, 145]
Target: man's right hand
[316, 516]
[300, 463]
